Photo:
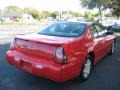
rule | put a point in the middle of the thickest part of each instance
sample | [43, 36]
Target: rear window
[64, 29]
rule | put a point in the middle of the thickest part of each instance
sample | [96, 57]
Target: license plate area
[26, 66]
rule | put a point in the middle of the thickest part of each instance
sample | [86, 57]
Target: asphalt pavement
[105, 76]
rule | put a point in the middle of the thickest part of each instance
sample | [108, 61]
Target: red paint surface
[36, 54]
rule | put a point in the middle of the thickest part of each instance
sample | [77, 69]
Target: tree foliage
[113, 5]
[46, 13]
[35, 13]
[75, 14]
[13, 9]
[53, 15]
[89, 16]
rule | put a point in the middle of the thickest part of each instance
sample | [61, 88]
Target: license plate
[27, 66]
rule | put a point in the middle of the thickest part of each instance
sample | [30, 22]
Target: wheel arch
[92, 55]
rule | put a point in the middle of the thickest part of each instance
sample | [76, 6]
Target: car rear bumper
[52, 71]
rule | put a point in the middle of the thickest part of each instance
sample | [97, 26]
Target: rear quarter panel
[76, 52]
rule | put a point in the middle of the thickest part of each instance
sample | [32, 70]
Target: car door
[109, 39]
[102, 33]
[99, 41]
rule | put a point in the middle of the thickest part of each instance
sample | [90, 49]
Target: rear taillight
[60, 56]
[12, 44]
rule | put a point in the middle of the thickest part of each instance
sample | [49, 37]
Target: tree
[35, 13]
[91, 4]
[13, 12]
[75, 14]
[13, 9]
[116, 12]
[89, 15]
[113, 5]
[46, 13]
[53, 15]
[108, 14]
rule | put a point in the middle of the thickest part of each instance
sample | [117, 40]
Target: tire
[112, 49]
[86, 69]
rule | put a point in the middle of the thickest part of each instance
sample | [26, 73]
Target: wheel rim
[87, 67]
[113, 48]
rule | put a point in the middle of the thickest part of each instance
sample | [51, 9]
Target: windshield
[67, 29]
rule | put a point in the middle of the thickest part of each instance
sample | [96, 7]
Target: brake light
[60, 56]
[12, 44]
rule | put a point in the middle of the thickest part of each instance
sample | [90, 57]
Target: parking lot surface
[105, 76]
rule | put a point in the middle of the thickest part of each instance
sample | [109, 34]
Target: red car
[62, 50]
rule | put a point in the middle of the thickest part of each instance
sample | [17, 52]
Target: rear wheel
[86, 69]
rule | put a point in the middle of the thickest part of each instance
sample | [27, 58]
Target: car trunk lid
[39, 46]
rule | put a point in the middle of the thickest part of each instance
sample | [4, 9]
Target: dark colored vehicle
[115, 28]
[62, 50]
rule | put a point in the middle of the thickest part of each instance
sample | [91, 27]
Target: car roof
[84, 22]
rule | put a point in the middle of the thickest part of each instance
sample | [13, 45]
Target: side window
[100, 29]
[93, 31]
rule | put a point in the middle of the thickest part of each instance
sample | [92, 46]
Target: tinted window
[93, 31]
[68, 29]
[100, 29]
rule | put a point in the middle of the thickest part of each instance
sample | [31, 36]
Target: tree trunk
[117, 17]
[100, 11]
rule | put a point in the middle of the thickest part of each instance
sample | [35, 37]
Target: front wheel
[86, 69]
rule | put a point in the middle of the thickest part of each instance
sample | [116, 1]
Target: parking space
[105, 75]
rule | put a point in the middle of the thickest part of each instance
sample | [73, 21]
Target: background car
[115, 27]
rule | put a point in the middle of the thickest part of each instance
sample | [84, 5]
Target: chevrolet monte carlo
[62, 50]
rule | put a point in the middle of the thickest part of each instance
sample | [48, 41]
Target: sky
[51, 5]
